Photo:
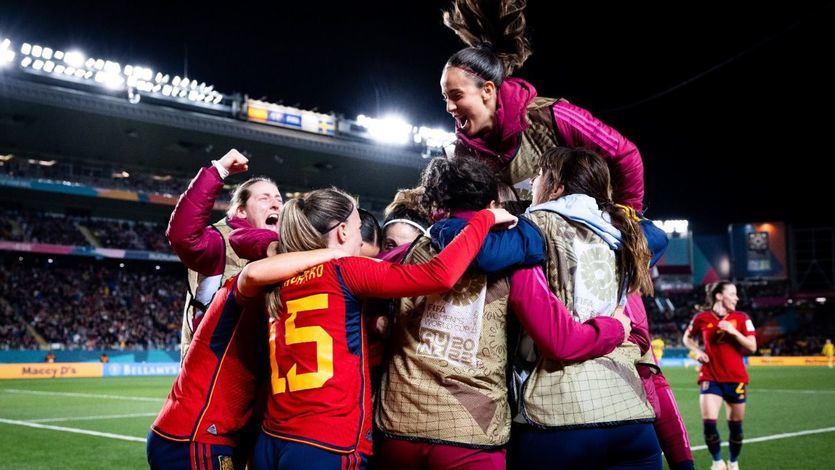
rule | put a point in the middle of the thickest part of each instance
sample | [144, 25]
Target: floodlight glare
[76, 59]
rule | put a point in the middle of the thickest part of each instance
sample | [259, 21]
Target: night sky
[750, 140]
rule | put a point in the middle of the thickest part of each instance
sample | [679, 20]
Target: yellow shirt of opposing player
[658, 348]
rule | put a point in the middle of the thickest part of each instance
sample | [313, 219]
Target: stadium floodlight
[6, 56]
[79, 73]
[112, 67]
[70, 70]
[166, 90]
[110, 80]
[26, 61]
[673, 226]
[59, 68]
[48, 66]
[37, 65]
[435, 138]
[59, 55]
[184, 83]
[176, 81]
[76, 59]
[26, 48]
[37, 50]
[99, 65]
[47, 53]
[218, 99]
[389, 130]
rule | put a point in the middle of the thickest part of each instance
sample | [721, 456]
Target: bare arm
[691, 344]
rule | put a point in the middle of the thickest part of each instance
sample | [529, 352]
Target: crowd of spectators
[90, 304]
[95, 175]
[61, 229]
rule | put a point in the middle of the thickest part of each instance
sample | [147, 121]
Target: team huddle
[494, 321]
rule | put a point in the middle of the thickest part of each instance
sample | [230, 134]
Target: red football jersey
[319, 377]
[320, 388]
[214, 395]
[723, 350]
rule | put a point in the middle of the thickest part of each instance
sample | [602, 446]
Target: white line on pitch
[776, 436]
[90, 418]
[84, 395]
[73, 430]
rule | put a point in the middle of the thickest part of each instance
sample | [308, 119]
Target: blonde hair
[304, 225]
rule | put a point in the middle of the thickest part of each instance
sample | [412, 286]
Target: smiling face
[472, 107]
[263, 206]
[728, 298]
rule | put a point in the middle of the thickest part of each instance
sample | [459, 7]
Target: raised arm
[369, 278]
[199, 247]
[578, 128]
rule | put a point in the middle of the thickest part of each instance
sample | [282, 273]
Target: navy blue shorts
[166, 454]
[624, 446]
[731, 392]
[273, 453]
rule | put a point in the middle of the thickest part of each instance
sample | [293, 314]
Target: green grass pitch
[781, 400]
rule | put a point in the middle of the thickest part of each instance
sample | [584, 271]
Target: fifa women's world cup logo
[450, 328]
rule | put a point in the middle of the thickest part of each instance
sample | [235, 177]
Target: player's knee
[735, 432]
[712, 438]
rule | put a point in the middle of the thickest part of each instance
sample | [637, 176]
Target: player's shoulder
[701, 316]
[741, 315]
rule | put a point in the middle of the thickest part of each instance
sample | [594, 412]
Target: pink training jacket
[200, 247]
[575, 127]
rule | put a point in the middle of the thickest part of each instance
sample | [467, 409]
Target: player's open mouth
[272, 219]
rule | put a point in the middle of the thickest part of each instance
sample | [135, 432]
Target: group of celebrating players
[500, 326]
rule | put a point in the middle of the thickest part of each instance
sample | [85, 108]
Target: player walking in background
[726, 335]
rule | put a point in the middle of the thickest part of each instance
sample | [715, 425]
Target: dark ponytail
[582, 171]
[494, 30]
